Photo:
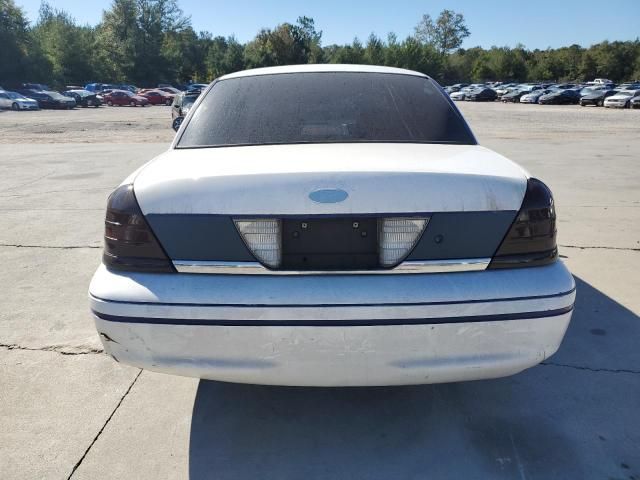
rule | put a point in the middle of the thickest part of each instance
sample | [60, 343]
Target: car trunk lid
[377, 179]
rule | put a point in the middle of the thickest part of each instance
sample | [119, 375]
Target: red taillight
[531, 240]
[129, 243]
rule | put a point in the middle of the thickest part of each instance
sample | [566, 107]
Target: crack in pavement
[58, 247]
[61, 349]
[95, 439]
[581, 247]
[591, 369]
[30, 182]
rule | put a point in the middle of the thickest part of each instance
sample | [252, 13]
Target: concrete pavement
[66, 410]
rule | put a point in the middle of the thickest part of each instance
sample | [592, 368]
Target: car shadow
[575, 416]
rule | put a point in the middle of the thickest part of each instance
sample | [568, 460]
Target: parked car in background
[505, 88]
[564, 86]
[99, 87]
[182, 103]
[481, 95]
[629, 86]
[456, 87]
[49, 99]
[513, 96]
[459, 95]
[560, 97]
[462, 93]
[196, 87]
[532, 97]
[283, 239]
[170, 89]
[38, 87]
[123, 86]
[158, 97]
[16, 101]
[596, 97]
[84, 98]
[124, 97]
[94, 87]
[621, 99]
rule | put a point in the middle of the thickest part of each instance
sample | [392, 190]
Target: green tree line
[149, 41]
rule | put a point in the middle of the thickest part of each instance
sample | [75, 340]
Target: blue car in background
[99, 87]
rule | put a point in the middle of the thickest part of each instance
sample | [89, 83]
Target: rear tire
[15, 106]
[600, 103]
[168, 103]
[110, 103]
[133, 104]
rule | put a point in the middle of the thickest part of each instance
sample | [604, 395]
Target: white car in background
[621, 99]
[15, 101]
[534, 96]
[330, 225]
[462, 93]
[459, 95]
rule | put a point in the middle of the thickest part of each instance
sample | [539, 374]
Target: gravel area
[153, 124]
[88, 125]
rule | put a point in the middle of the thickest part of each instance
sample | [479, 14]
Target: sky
[501, 23]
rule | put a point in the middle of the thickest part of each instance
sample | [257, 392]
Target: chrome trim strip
[255, 268]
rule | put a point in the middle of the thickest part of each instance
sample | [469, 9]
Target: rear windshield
[323, 108]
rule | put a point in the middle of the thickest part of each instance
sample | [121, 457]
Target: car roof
[315, 68]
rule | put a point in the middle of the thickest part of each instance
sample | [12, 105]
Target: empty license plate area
[330, 244]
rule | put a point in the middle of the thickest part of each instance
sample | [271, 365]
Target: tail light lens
[129, 243]
[531, 240]
[263, 238]
[397, 237]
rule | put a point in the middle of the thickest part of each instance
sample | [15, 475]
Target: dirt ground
[152, 124]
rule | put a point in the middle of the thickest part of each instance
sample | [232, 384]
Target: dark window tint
[325, 107]
[188, 101]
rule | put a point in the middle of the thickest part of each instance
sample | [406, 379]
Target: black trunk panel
[330, 244]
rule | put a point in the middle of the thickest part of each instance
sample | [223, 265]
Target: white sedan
[330, 225]
[15, 101]
[621, 99]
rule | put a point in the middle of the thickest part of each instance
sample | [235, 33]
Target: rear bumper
[335, 330]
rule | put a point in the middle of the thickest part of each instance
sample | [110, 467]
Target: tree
[309, 39]
[374, 51]
[151, 41]
[446, 33]
[116, 41]
[66, 46]
[19, 57]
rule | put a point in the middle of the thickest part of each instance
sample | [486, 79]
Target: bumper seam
[336, 305]
[337, 323]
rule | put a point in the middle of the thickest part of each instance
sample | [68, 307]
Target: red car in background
[124, 97]
[171, 90]
[157, 97]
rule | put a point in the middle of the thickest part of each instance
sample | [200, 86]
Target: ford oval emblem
[328, 195]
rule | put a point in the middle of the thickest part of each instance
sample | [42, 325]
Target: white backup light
[397, 237]
[262, 236]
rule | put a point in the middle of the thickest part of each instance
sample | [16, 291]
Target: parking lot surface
[69, 411]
